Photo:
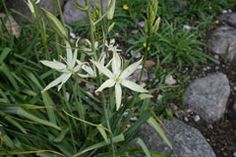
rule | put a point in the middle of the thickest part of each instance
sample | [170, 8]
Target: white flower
[118, 77]
[67, 69]
[111, 46]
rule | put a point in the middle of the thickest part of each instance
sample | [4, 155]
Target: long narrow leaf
[115, 139]
[151, 121]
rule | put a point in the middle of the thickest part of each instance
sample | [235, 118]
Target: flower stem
[92, 38]
[92, 29]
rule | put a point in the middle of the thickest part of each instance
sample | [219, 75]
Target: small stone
[133, 119]
[225, 11]
[173, 107]
[210, 126]
[189, 110]
[234, 155]
[186, 119]
[196, 118]
[170, 80]
[141, 24]
[149, 64]
[216, 57]
[159, 97]
[234, 106]
[187, 27]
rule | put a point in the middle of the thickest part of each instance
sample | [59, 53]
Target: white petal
[130, 69]
[133, 86]
[106, 84]
[89, 70]
[54, 64]
[77, 68]
[74, 59]
[118, 93]
[103, 69]
[66, 76]
[116, 63]
[69, 55]
[56, 81]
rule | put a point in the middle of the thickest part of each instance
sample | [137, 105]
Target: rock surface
[21, 7]
[222, 41]
[208, 96]
[72, 14]
[186, 141]
[228, 19]
[234, 106]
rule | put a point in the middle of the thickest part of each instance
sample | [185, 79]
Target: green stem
[92, 38]
[92, 29]
[60, 12]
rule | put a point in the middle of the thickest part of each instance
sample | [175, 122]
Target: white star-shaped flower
[117, 77]
[67, 69]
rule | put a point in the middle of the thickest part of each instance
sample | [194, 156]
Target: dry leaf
[149, 64]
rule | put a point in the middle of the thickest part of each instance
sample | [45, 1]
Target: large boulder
[73, 14]
[222, 40]
[23, 12]
[186, 141]
[228, 19]
[208, 96]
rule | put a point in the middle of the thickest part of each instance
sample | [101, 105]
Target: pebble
[235, 88]
[133, 119]
[141, 24]
[234, 155]
[186, 119]
[196, 118]
[159, 97]
[187, 27]
[216, 57]
[170, 80]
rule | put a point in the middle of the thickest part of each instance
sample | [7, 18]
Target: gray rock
[186, 141]
[222, 41]
[234, 106]
[208, 96]
[25, 14]
[72, 14]
[229, 19]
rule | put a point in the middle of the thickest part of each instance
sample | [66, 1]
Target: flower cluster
[117, 77]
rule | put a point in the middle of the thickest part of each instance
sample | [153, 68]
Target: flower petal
[108, 83]
[103, 69]
[89, 70]
[118, 93]
[69, 55]
[130, 69]
[116, 63]
[66, 76]
[54, 64]
[60, 79]
[133, 86]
